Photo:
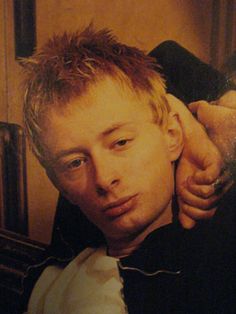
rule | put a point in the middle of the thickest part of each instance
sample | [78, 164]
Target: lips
[120, 207]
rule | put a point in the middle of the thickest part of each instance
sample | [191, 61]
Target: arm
[219, 119]
[187, 77]
[190, 79]
[197, 170]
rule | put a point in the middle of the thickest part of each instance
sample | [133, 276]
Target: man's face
[110, 158]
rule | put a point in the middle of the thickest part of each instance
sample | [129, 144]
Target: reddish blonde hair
[65, 66]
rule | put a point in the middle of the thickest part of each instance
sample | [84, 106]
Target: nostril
[114, 182]
[104, 190]
[100, 191]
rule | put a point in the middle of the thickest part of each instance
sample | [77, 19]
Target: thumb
[203, 111]
[210, 172]
[186, 221]
[211, 116]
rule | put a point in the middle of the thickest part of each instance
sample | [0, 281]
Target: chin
[124, 227]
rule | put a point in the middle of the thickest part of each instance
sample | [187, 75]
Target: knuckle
[211, 177]
[206, 204]
[185, 208]
[182, 193]
[206, 192]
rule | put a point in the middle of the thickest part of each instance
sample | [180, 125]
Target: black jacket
[182, 271]
[200, 263]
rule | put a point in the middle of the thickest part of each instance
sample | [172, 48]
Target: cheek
[77, 196]
[152, 159]
[153, 171]
[72, 190]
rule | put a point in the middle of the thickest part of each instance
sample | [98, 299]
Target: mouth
[120, 207]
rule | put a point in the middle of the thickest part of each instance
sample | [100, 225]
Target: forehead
[108, 90]
[108, 98]
[106, 104]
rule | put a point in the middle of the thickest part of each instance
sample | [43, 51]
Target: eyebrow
[78, 149]
[65, 152]
[113, 128]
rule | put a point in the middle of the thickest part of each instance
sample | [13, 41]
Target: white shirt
[90, 284]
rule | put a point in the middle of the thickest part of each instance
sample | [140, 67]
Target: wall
[3, 66]
[142, 23]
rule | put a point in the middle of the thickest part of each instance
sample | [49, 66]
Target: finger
[202, 110]
[209, 174]
[227, 100]
[186, 221]
[211, 115]
[205, 191]
[194, 106]
[212, 168]
[195, 213]
[196, 201]
[202, 203]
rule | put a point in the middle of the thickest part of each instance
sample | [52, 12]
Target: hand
[199, 167]
[219, 119]
[227, 100]
[200, 181]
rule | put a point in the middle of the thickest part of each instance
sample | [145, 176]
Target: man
[108, 135]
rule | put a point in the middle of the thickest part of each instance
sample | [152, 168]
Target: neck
[127, 245]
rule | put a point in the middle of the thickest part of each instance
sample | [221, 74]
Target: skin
[104, 147]
[198, 168]
[219, 119]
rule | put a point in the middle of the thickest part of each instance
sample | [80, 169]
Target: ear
[174, 136]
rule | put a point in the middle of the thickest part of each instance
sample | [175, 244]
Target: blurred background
[205, 27]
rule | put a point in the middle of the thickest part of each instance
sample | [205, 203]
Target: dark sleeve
[72, 231]
[188, 78]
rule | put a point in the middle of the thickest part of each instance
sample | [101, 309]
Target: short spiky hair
[64, 67]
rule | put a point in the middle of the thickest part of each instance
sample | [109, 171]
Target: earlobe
[174, 135]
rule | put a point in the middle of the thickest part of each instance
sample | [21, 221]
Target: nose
[106, 175]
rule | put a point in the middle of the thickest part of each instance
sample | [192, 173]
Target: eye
[122, 142]
[75, 164]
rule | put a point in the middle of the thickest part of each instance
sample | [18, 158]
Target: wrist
[190, 126]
